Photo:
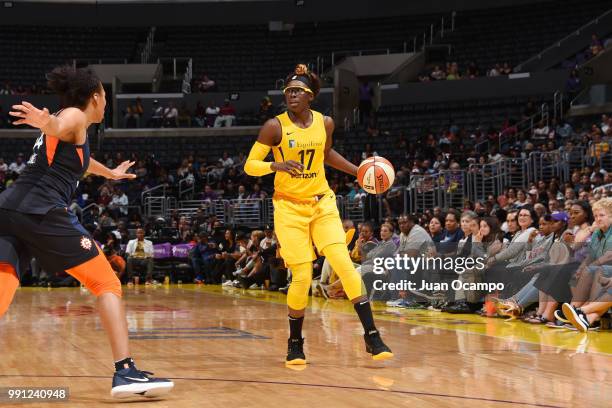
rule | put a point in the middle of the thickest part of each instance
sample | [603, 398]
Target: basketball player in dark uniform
[35, 220]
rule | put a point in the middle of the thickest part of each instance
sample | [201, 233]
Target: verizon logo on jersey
[305, 176]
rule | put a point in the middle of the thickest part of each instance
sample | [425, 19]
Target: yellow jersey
[306, 146]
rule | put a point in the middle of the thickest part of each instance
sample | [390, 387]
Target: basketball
[375, 175]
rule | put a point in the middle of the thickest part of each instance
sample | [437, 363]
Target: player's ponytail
[74, 86]
[303, 74]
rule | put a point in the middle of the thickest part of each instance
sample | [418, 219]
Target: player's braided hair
[74, 86]
[305, 75]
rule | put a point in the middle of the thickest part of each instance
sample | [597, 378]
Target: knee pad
[301, 279]
[341, 263]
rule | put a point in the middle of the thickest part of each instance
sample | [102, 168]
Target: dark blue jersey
[50, 178]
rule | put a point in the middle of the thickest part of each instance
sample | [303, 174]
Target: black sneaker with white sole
[131, 382]
[560, 316]
[577, 317]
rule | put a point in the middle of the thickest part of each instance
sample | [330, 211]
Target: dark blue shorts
[57, 240]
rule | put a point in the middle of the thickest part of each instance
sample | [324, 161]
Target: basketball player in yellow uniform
[305, 210]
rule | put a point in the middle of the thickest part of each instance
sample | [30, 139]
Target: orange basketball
[375, 175]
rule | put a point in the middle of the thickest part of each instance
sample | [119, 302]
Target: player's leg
[98, 276]
[14, 258]
[297, 300]
[8, 285]
[59, 242]
[329, 237]
[291, 223]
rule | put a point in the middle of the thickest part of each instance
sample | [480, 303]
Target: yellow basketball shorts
[299, 224]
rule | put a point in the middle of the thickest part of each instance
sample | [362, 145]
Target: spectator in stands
[133, 114]
[218, 171]
[119, 203]
[541, 130]
[495, 71]
[116, 262]
[537, 256]
[184, 116]
[365, 243]
[18, 165]
[157, 115]
[212, 112]
[205, 84]
[6, 89]
[366, 94]
[257, 193]
[265, 110]
[356, 195]
[203, 259]
[472, 71]
[209, 194]
[385, 248]
[227, 115]
[596, 46]
[436, 228]
[170, 118]
[506, 69]
[516, 250]
[368, 152]
[438, 74]
[453, 72]
[139, 254]
[226, 160]
[200, 115]
[529, 110]
[452, 233]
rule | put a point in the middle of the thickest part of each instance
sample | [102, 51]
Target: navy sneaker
[577, 317]
[131, 382]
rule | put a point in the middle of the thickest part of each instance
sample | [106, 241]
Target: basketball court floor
[226, 348]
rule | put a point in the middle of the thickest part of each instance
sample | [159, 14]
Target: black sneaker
[295, 352]
[560, 316]
[131, 382]
[577, 317]
[376, 347]
[460, 307]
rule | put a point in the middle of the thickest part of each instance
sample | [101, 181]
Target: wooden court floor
[226, 347]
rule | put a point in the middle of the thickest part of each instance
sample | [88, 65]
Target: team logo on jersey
[86, 243]
[291, 143]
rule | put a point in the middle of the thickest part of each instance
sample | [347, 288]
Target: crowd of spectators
[248, 258]
[171, 116]
[451, 71]
[6, 88]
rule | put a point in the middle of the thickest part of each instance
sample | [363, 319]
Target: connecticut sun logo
[86, 243]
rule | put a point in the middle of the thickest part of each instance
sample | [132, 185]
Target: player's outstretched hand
[290, 166]
[30, 115]
[119, 172]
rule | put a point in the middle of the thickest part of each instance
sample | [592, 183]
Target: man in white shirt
[139, 254]
[170, 115]
[226, 160]
[119, 203]
[18, 165]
